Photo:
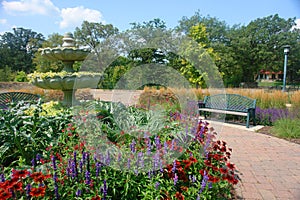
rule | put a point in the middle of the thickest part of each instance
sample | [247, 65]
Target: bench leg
[254, 118]
[248, 119]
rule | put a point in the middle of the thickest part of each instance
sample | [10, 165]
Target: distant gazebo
[266, 75]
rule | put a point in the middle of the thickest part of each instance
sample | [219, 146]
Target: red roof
[269, 72]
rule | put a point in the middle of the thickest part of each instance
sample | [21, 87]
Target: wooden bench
[232, 104]
[14, 97]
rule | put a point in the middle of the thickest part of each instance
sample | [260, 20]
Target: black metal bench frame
[232, 104]
[14, 97]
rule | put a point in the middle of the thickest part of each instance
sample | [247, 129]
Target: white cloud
[30, 7]
[73, 17]
[3, 21]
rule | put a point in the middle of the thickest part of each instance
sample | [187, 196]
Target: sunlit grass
[287, 128]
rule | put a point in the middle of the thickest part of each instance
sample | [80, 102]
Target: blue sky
[60, 16]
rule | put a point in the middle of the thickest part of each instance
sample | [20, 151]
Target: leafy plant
[287, 128]
[25, 130]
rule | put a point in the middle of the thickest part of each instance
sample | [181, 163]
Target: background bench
[232, 104]
[14, 97]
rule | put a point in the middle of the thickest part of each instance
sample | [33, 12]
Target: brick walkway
[269, 167]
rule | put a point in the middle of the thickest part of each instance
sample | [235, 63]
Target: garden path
[269, 167]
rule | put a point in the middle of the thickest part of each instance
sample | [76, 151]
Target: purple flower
[74, 170]
[28, 188]
[128, 163]
[141, 158]
[104, 189]
[192, 178]
[157, 142]
[38, 157]
[108, 158]
[157, 185]
[54, 163]
[87, 177]
[165, 147]
[149, 147]
[172, 144]
[155, 160]
[78, 193]
[175, 178]
[55, 186]
[2, 177]
[132, 146]
[174, 166]
[33, 162]
[98, 168]
[204, 182]
[80, 165]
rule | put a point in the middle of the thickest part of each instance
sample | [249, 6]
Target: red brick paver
[269, 167]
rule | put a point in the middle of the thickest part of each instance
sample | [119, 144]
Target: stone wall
[10, 86]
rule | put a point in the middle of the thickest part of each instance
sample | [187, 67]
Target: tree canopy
[238, 51]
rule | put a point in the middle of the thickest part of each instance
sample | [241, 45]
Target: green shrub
[26, 130]
[287, 128]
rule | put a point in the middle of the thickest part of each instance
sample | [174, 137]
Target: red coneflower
[39, 177]
[223, 171]
[194, 160]
[179, 196]
[5, 194]
[38, 192]
[230, 166]
[20, 173]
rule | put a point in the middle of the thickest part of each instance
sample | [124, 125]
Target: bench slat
[223, 111]
[8, 97]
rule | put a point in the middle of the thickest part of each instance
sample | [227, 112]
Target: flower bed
[72, 168]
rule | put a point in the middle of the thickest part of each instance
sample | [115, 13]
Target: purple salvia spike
[175, 178]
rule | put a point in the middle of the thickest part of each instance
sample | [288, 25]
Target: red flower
[228, 154]
[223, 171]
[207, 163]
[230, 166]
[179, 196]
[5, 194]
[223, 149]
[39, 177]
[184, 188]
[17, 186]
[20, 173]
[193, 160]
[38, 192]
[217, 156]
[201, 172]
[96, 198]
[213, 179]
[231, 179]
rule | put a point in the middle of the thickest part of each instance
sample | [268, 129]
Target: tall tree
[91, 33]
[259, 44]
[20, 46]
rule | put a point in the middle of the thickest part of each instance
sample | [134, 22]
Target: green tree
[6, 74]
[259, 44]
[19, 47]
[91, 34]
[44, 65]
